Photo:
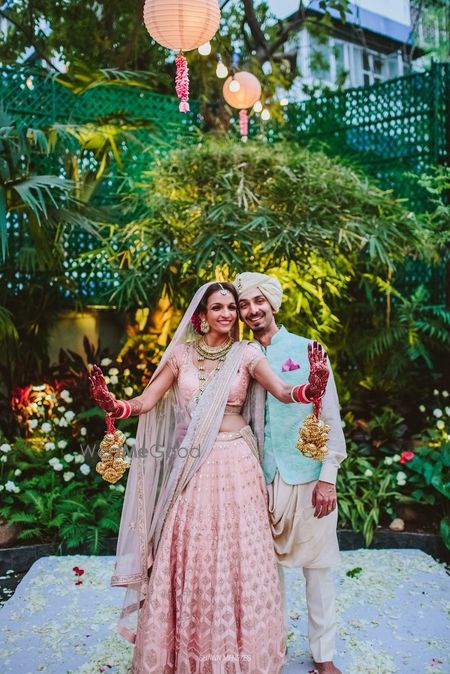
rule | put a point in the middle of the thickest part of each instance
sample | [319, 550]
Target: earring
[204, 326]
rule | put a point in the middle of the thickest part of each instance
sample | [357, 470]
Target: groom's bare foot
[327, 668]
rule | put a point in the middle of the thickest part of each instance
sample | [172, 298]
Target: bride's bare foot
[327, 668]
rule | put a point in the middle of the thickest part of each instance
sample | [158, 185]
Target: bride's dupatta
[171, 445]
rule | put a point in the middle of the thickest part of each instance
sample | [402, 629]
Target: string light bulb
[257, 107]
[265, 115]
[234, 86]
[284, 101]
[221, 70]
[205, 49]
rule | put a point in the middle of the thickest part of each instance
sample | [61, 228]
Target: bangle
[126, 409]
[301, 394]
[291, 393]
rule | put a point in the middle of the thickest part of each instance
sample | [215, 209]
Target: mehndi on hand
[318, 371]
[100, 393]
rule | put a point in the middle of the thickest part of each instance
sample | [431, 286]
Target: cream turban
[269, 286]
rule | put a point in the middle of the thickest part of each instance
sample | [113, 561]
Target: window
[340, 63]
[328, 62]
[370, 66]
[319, 59]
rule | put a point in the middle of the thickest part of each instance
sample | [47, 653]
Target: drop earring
[204, 326]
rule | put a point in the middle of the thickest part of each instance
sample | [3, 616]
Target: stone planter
[22, 557]
[8, 533]
[432, 544]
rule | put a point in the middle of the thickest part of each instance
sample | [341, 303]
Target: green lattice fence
[38, 99]
[35, 99]
[390, 129]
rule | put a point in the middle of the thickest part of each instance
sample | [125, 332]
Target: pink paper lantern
[182, 25]
[249, 91]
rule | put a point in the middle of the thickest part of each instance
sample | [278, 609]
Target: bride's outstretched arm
[286, 393]
[120, 409]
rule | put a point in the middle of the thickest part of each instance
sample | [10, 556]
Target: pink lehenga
[196, 550]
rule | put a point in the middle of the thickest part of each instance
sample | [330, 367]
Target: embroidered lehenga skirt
[214, 602]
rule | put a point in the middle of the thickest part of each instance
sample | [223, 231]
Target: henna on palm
[319, 372]
[106, 400]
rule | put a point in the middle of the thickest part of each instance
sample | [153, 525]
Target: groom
[302, 492]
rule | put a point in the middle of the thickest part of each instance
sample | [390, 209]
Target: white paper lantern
[248, 93]
[182, 25]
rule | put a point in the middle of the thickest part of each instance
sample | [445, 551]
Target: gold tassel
[112, 465]
[313, 437]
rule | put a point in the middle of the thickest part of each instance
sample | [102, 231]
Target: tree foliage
[332, 236]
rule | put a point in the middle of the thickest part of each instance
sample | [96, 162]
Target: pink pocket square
[289, 365]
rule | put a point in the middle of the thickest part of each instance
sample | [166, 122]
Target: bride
[195, 550]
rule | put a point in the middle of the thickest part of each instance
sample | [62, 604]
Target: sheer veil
[171, 444]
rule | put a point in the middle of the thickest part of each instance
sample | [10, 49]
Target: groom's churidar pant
[302, 540]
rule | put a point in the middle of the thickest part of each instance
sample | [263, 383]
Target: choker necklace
[219, 352]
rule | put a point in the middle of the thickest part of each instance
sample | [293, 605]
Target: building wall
[343, 62]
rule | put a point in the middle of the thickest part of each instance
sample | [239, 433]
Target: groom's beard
[259, 325]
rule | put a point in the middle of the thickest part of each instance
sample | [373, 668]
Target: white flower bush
[56, 463]
[65, 395]
[401, 478]
[11, 486]
[58, 438]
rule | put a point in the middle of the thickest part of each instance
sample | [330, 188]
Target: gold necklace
[204, 351]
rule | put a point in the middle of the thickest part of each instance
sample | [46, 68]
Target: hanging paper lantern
[182, 25]
[248, 93]
[242, 97]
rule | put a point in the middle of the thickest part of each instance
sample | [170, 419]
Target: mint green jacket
[282, 421]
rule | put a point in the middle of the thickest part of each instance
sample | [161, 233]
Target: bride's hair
[213, 288]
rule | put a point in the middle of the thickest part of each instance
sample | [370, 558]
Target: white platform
[393, 617]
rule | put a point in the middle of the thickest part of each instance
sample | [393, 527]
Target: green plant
[383, 433]
[429, 466]
[430, 482]
[366, 489]
[56, 499]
